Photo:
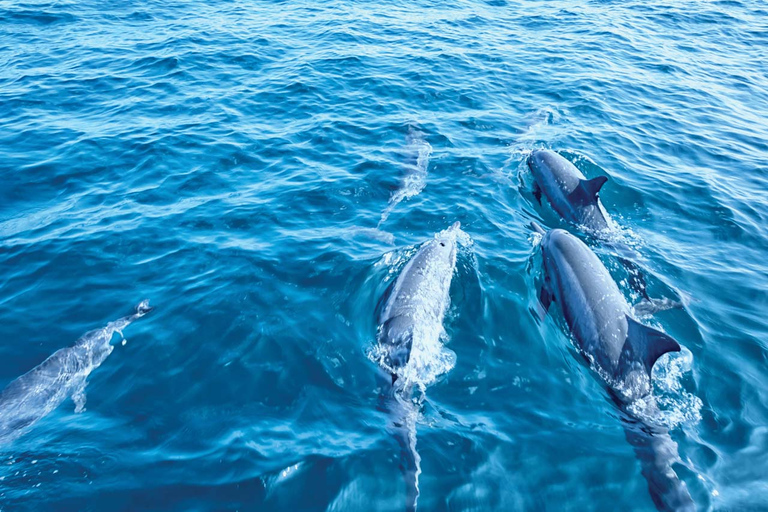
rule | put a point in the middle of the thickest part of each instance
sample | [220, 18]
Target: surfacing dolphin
[622, 350]
[571, 194]
[410, 353]
[38, 392]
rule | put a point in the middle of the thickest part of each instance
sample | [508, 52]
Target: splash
[671, 404]
[415, 178]
[677, 405]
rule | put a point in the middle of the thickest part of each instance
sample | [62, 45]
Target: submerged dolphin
[410, 324]
[415, 172]
[622, 350]
[39, 391]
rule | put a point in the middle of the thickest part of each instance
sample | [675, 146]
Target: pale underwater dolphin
[622, 350]
[38, 392]
[414, 172]
[410, 319]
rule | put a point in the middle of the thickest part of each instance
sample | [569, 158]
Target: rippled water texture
[260, 171]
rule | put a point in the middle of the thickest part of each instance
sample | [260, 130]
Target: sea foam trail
[38, 392]
[415, 173]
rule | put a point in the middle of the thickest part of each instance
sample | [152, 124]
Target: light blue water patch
[232, 161]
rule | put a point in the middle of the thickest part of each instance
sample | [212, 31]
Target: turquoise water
[237, 163]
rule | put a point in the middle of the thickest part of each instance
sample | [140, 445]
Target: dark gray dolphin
[622, 350]
[571, 194]
[410, 321]
[39, 391]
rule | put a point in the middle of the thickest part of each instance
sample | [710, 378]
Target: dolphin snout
[143, 308]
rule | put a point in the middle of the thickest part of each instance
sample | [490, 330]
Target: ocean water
[261, 170]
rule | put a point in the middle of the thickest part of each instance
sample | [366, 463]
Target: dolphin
[621, 349]
[414, 172]
[571, 194]
[38, 392]
[410, 319]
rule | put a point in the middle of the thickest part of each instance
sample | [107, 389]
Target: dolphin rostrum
[622, 350]
[410, 321]
[38, 392]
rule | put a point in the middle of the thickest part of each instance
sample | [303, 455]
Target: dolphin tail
[657, 453]
[402, 426]
[649, 306]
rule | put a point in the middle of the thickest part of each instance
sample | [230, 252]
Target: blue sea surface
[262, 170]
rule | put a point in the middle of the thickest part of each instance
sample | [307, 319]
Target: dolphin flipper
[586, 191]
[545, 300]
[645, 344]
[537, 191]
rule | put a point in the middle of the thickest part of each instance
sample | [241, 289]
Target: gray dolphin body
[571, 194]
[410, 320]
[622, 349]
[38, 392]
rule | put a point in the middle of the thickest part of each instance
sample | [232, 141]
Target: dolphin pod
[576, 200]
[618, 347]
[409, 352]
[32, 396]
[410, 325]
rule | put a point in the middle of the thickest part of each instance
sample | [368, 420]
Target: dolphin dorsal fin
[646, 345]
[586, 191]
